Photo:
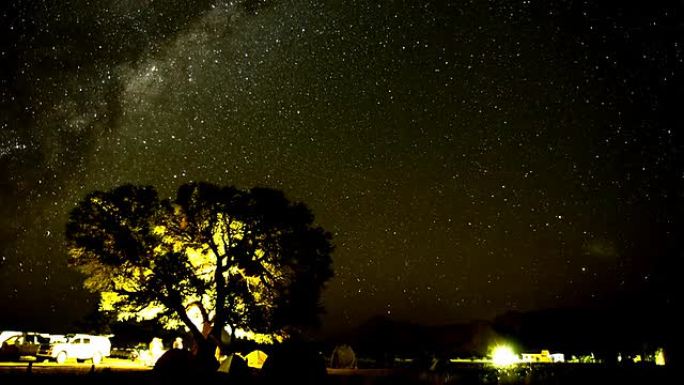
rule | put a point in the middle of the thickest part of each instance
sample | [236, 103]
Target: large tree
[250, 260]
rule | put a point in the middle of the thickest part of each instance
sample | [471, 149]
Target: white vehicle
[4, 335]
[79, 346]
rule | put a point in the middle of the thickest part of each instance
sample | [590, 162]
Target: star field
[470, 158]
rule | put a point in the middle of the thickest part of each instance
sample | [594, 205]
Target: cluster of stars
[470, 157]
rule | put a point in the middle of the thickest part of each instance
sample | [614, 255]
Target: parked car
[5, 334]
[125, 353]
[79, 346]
[23, 344]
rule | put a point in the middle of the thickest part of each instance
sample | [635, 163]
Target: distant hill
[580, 331]
[602, 331]
[384, 338]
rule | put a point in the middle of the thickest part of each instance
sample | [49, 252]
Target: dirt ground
[120, 372]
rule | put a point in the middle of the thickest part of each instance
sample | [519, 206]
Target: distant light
[660, 357]
[504, 355]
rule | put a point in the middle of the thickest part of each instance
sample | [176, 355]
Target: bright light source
[503, 355]
[660, 357]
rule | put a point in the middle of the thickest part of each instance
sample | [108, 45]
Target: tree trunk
[205, 357]
[205, 352]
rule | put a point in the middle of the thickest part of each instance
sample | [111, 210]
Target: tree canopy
[251, 260]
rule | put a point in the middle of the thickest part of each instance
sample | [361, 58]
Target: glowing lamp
[660, 357]
[503, 355]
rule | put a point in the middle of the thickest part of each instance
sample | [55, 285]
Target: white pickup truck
[79, 346]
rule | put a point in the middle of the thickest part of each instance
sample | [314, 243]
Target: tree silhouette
[250, 260]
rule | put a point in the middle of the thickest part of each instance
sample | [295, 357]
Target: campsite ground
[117, 372]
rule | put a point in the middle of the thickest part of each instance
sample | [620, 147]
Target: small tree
[250, 260]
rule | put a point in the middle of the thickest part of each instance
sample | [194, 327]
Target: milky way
[469, 158]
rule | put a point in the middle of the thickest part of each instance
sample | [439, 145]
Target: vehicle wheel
[97, 358]
[61, 357]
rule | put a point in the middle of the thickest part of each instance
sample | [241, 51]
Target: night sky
[470, 157]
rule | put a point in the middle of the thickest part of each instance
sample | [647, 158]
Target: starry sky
[470, 157]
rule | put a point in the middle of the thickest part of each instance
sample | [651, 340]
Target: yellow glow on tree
[203, 261]
[252, 260]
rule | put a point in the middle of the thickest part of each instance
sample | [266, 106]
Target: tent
[255, 359]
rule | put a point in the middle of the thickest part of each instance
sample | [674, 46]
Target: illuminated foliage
[252, 259]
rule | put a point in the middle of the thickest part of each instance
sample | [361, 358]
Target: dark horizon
[469, 159]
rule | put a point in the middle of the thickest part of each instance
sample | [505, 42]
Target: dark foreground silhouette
[278, 374]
